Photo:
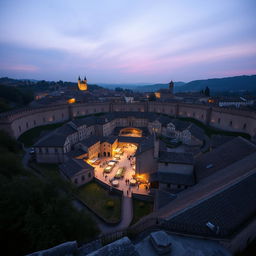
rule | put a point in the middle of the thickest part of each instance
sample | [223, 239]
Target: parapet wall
[19, 121]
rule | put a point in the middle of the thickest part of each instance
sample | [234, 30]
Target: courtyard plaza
[130, 182]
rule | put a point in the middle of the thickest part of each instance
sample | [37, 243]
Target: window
[19, 128]
[27, 124]
[40, 150]
[82, 178]
[166, 164]
[230, 123]
[244, 127]
[218, 120]
[89, 175]
[56, 150]
[76, 181]
[34, 122]
[46, 150]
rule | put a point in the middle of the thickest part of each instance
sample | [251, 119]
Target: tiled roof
[73, 166]
[128, 139]
[90, 141]
[163, 198]
[175, 157]
[145, 145]
[174, 175]
[110, 139]
[228, 210]
[221, 157]
[196, 131]
[51, 140]
[218, 140]
[56, 138]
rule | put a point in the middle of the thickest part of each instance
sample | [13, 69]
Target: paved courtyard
[129, 165]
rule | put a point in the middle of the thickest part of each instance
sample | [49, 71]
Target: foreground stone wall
[19, 121]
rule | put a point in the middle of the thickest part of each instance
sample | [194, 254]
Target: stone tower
[82, 84]
[171, 85]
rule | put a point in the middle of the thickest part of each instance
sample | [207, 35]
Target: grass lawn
[29, 137]
[106, 205]
[141, 209]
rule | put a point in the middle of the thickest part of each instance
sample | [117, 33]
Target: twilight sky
[127, 41]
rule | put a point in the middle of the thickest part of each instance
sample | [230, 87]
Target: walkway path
[127, 207]
[126, 218]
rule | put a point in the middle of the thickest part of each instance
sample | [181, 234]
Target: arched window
[244, 126]
[230, 123]
[218, 120]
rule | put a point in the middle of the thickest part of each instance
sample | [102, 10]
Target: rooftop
[74, 166]
[227, 210]
[175, 157]
[221, 157]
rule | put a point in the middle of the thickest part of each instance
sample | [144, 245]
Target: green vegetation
[141, 209]
[13, 97]
[51, 172]
[35, 213]
[96, 114]
[106, 205]
[29, 137]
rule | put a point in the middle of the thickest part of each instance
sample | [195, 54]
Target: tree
[207, 91]
[119, 89]
[34, 214]
[152, 97]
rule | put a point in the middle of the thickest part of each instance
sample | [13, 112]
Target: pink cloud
[25, 68]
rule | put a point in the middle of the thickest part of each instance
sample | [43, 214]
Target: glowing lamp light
[71, 101]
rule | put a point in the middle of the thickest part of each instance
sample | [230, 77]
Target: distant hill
[227, 84]
[156, 87]
[231, 84]
[41, 85]
[141, 87]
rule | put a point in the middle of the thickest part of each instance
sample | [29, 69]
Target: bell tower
[82, 84]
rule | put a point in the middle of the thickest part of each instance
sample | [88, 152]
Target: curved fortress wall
[18, 122]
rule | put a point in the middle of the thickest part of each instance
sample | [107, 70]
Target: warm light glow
[71, 101]
[158, 95]
[142, 177]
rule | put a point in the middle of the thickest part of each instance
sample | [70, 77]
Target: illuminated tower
[82, 84]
